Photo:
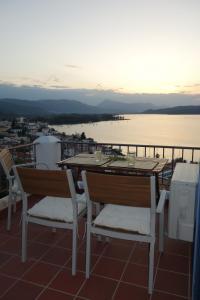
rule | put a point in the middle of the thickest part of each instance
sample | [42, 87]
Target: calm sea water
[143, 129]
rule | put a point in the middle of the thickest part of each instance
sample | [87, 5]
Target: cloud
[72, 66]
[192, 85]
[62, 87]
[99, 87]
[4, 82]
[53, 78]
[193, 88]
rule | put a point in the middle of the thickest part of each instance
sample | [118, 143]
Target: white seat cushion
[128, 218]
[56, 208]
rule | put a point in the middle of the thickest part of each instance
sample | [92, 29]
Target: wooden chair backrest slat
[118, 189]
[6, 160]
[44, 182]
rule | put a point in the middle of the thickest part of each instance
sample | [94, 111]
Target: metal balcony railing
[173, 153]
[25, 153]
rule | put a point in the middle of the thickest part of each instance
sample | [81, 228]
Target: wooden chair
[129, 212]
[7, 163]
[60, 208]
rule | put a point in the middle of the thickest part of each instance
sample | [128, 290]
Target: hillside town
[21, 131]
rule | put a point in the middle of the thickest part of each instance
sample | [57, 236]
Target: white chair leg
[88, 252]
[9, 211]
[14, 203]
[97, 212]
[74, 250]
[24, 238]
[151, 267]
[161, 232]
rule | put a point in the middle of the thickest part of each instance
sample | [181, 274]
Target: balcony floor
[119, 268]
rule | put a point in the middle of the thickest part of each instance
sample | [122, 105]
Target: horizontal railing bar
[133, 145]
[114, 144]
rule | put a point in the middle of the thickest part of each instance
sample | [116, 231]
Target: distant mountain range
[96, 96]
[124, 107]
[17, 107]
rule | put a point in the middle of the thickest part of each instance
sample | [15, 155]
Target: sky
[123, 46]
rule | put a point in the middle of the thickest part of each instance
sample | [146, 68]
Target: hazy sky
[129, 46]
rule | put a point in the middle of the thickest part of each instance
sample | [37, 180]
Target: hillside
[177, 110]
[67, 107]
[16, 107]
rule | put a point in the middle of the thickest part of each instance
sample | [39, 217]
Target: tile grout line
[109, 257]
[92, 269]
[171, 294]
[5, 262]
[61, 267]
[125, 267]
[65, 265]
[7, 290]
[21, 277]
[55, 244]
[140, 286]
[59, 270]
[47, 285]
[174, 272]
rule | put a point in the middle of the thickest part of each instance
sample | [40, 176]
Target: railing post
[163, 152]
[192, 155]
[173, 162]
[145, 151]
[182, 154]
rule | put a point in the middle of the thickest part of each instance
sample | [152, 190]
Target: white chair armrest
[30, 164]
[161, 202]
[23, 165]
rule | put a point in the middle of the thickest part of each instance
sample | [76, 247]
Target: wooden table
[141, 165]
[89, 161]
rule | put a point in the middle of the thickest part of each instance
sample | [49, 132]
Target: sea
[169, 130]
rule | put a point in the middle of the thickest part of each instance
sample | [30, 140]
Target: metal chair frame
[30, 181]
[97, 189]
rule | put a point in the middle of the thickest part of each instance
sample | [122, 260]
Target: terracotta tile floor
[119, 268]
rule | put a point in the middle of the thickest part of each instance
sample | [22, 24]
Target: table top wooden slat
[143, 164]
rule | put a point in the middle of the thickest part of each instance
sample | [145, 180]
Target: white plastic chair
[129, 212]
[60, 208]
[7, 163]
